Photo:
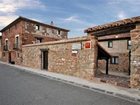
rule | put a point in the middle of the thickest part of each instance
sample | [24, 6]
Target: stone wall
[44, 30]
[28, 38]
[135, 57]
[62, 59]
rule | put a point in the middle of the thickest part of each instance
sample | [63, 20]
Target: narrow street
[21, 88]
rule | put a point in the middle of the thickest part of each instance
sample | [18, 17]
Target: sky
[75, 15]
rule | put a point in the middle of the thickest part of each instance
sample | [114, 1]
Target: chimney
[52, 23]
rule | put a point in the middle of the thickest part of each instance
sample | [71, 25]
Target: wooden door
[45, 59]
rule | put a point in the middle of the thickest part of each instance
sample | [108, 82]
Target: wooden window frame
[116, 60]
[109, 44]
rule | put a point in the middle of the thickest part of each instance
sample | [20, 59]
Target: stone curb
[122, 96]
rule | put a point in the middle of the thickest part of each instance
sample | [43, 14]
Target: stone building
[117, 43]
[119, 34]
[83, 57]
[24, 31]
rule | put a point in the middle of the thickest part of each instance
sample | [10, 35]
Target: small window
[17, 40]
[16, 45]
[6, 45]
[59, 32]
[37, 27]
[110, 44]
[128, 44]
[114, 60]
[6, 42]
[38, 40]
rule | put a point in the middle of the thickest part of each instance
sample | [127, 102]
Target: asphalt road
[21, 88]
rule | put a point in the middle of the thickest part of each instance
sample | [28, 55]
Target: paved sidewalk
[128, 94]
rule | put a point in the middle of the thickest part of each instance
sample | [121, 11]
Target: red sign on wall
[88, 44]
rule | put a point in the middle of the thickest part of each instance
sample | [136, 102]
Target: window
[110, 44]
[6, 42]
[17, 40]
[128, 44]
[38, 40]
[6, 45]
[16, 45]
[37, 27]
[114, 60]
[59, 32]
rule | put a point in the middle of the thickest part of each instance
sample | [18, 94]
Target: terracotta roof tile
[114, 24]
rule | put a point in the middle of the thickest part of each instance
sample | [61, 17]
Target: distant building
[24, 31]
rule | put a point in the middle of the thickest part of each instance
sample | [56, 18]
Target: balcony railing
[5, 48]
[16, 46]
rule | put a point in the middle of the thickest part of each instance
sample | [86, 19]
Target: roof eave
[23, 18]
[119, 23]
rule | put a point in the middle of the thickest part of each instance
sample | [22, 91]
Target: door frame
[9, 57]
[44, 59]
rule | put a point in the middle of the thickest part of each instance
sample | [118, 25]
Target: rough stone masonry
[135, 57]
[66, 56]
